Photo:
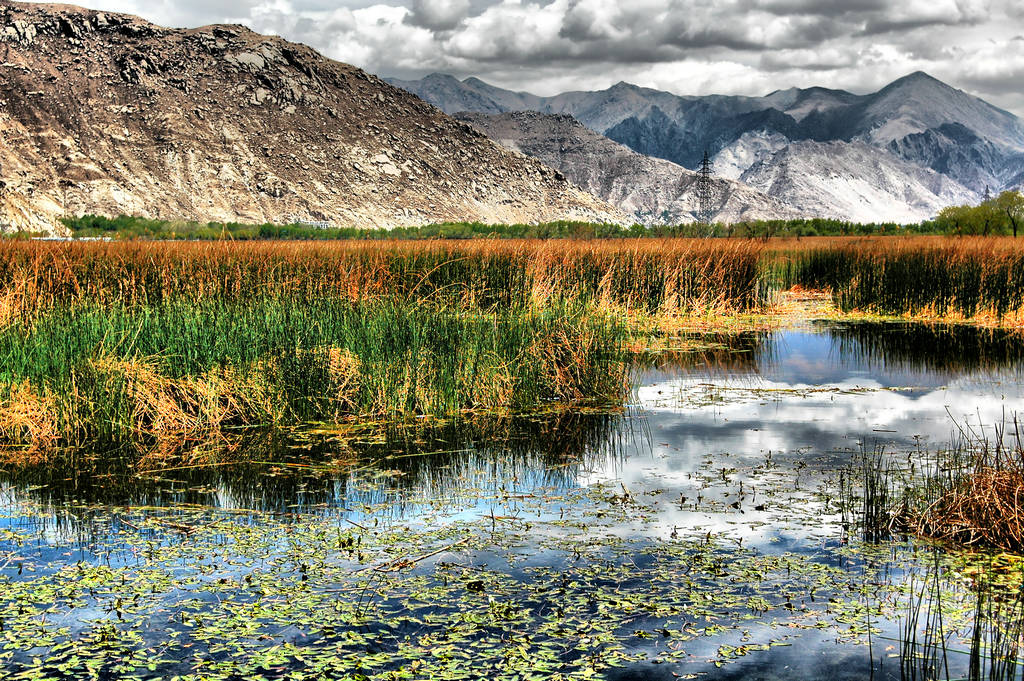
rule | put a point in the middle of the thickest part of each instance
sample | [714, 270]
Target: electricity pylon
[705, 192]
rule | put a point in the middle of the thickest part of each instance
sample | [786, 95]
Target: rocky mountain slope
[916, 119]
[106, 113]
[854, 181]
[652, 190]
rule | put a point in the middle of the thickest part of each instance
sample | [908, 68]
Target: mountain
[916, 118]
[918, 102]
[106, 113]
[954, 150]
[854, 181]
[652, 190]
[452, 95]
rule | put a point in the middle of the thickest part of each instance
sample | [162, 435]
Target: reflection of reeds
[924, 652]
[269, 470]
[997, 638]
[996, 630]
[948, 348]
[713, 354]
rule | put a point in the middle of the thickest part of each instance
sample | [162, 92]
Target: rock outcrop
[109, 114]
[854, 181]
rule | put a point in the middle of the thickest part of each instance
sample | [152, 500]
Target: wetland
[710, 528]
[517, 460]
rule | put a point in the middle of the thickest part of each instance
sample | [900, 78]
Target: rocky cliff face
[652, 190]
[106, 113]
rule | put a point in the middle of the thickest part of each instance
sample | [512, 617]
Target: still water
[704, 530]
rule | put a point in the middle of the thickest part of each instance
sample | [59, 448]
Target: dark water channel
[703, 531]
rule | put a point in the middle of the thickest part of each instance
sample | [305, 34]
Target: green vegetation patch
[179, 370]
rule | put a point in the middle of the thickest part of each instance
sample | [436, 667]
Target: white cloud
[686, 46]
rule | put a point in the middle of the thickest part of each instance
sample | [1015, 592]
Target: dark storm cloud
[689, 46]
[438, 15]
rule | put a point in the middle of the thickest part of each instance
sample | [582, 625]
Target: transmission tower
[705, 192]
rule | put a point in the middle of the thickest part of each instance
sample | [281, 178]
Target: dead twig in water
[401, 563]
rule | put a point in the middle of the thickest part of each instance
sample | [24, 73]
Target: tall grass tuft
[971, 494]
[977, 495]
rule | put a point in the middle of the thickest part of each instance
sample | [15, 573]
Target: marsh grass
[148, 342]
[650, 275]
[151, 341]
[970, 494]
[182, 370]
[931, 277]
[976, 496]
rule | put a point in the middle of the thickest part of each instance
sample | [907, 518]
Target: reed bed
[149, 342]
[146, 341]
[949, 278]
[665, 275]
[185, 370]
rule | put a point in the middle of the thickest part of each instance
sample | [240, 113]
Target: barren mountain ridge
[109, 114]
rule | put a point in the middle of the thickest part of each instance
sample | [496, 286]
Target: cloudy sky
[684, 46]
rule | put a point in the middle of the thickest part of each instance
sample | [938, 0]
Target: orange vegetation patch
[985, 509]
[696, 273]
[28, 424]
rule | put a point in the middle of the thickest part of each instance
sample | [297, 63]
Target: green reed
[184, 368]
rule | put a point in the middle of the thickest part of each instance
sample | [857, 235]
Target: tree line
[997, 215]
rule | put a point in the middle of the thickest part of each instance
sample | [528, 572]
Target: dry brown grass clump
[976, 496]
[985, 508]
[159, 409]
[28, 422]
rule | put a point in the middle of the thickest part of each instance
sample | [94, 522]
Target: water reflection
[399, 470]
[947, 350]
[837, 386]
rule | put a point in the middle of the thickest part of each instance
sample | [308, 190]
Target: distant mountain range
[898, 154]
